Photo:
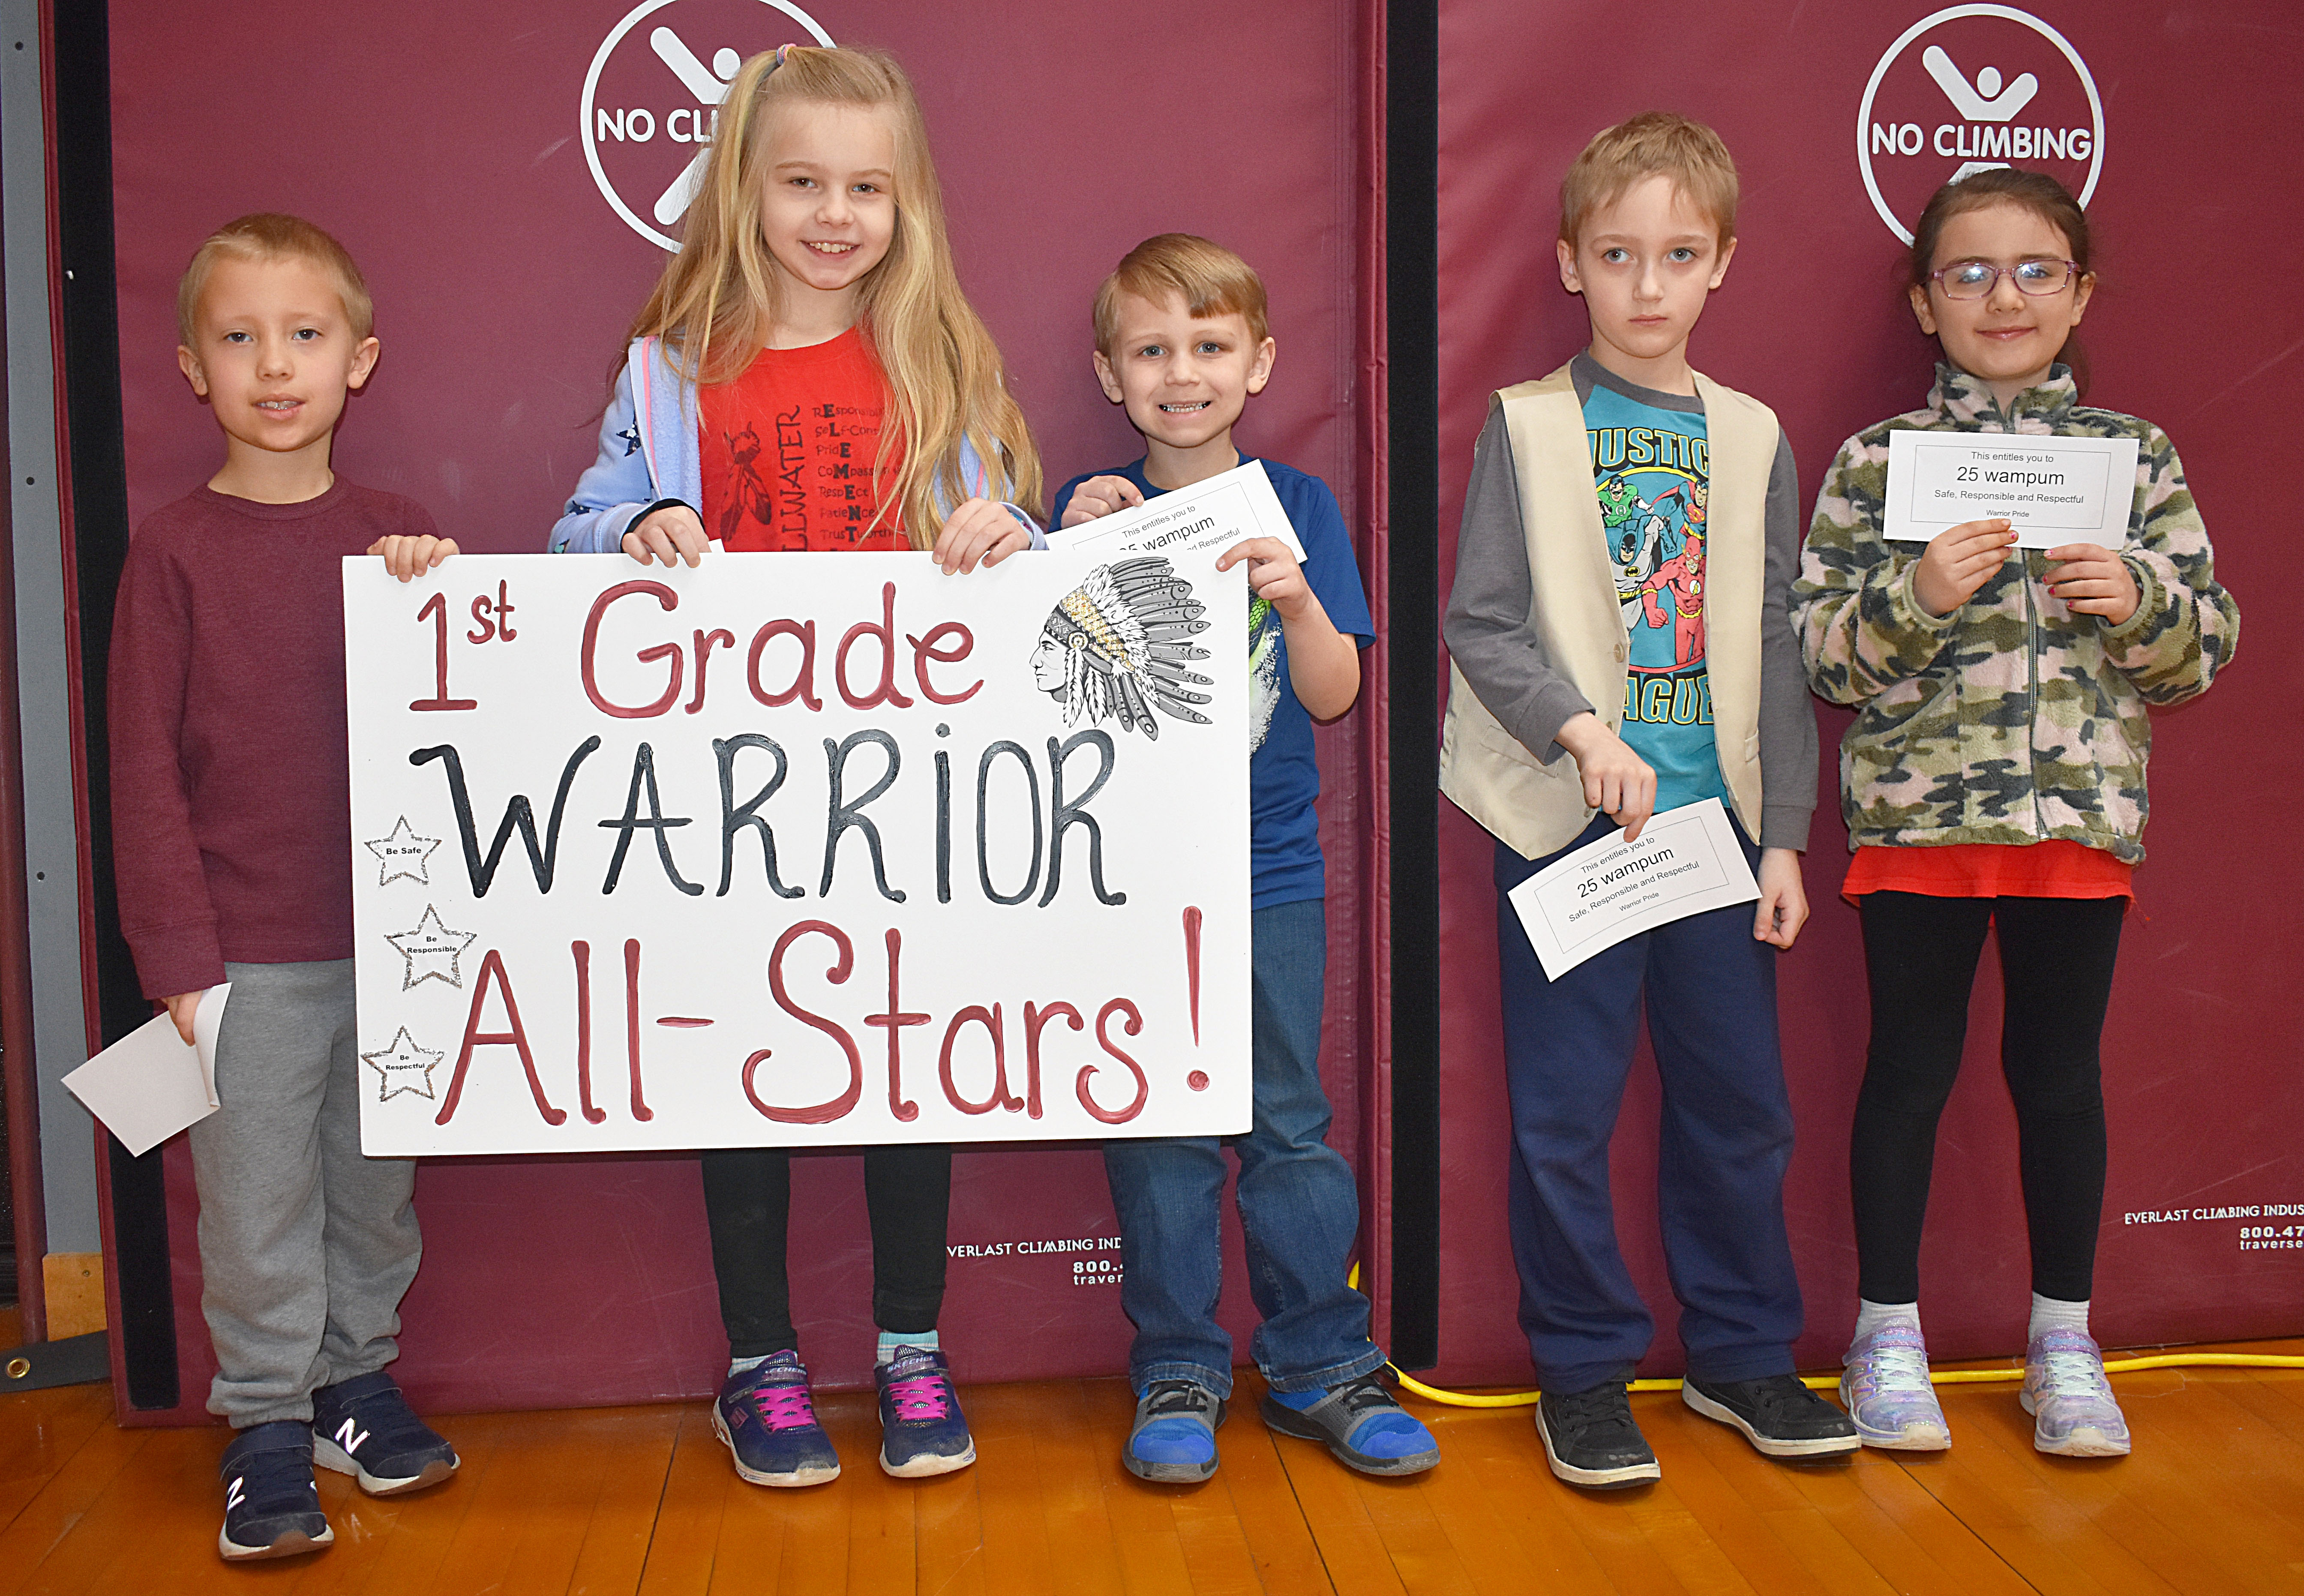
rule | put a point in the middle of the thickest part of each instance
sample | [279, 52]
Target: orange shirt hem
[2059, 868]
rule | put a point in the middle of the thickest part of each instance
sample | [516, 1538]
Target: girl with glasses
[1993, 777]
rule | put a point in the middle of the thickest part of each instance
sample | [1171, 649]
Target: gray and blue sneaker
[271, 1507]
[768, 1422]
[922, 1430]
[1173, 1440]
[364, 1427]
[1361, 1425]
[2073, 1410]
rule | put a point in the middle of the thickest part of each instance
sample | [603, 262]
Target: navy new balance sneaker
[271, 1507]
[364, 1427]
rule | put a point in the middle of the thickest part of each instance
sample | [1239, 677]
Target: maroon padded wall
[2196, 326]
[440, 142]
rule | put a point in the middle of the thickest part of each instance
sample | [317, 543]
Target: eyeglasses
[1976, 279]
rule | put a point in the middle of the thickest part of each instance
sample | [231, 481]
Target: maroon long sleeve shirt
[231, 784]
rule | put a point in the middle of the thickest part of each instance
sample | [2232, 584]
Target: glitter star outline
[404, 1059]
[434, 942]
[403, 842]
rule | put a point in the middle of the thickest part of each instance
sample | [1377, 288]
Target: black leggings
[748, 1202]
[2056, 957]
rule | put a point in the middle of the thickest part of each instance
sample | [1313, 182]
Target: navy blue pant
[1726, 1139]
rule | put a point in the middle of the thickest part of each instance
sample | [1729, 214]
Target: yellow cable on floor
[1942, 1377]
[1828, 1382]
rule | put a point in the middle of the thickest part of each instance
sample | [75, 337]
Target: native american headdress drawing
[1122, 637]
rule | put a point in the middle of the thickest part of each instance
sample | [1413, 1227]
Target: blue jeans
[1298, 1203]
[1726, 1138]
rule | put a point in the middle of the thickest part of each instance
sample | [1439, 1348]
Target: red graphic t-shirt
[789, 449]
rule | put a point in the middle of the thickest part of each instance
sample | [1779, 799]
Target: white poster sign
[798, 850]
[1687, 861]
[2051, 491]
[1207, 517]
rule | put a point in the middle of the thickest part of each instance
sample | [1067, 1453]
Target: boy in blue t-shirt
[1181, 342]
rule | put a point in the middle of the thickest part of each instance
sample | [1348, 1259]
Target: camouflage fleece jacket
[2011, 719]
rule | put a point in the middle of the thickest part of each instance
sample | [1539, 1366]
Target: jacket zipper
[2032, 704]
[2031, 662]
[2031, 681]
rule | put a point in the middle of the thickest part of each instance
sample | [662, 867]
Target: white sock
[2049, 1314]
[1874, 1316]
[890, 1340]
[746, 1365]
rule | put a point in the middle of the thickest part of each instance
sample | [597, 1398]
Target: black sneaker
[363, 1427]
[1777, 1415]
[271, 1507]
[1591, 1440]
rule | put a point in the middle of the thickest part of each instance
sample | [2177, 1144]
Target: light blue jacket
[648, 453]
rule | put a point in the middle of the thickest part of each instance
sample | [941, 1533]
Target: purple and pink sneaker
[1886, 1388]
[922, 1430]
[2073, 1411]
[765, 1416]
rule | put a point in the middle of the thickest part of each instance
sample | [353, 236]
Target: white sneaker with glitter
[2070, 1401]
[1885, 1385]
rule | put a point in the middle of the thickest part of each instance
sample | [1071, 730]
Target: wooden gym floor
[641, 1499]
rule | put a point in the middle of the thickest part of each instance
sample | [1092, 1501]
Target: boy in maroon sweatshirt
[231, 824]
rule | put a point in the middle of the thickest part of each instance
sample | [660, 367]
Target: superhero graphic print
[1651, 473]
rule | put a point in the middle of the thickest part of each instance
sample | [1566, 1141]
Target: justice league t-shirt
[1284, 777]
[1651, 469]
[789, 449]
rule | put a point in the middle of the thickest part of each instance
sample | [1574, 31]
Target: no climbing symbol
[652, 97]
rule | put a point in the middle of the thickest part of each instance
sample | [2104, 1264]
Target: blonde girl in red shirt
[808, 375]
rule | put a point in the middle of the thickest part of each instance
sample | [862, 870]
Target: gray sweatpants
[306, 1246]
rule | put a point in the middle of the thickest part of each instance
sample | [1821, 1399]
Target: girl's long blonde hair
[718, 300]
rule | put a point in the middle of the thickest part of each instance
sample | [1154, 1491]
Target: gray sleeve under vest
[1788, 743]
[1486, 627]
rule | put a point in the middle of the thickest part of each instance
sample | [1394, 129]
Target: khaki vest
[1579, 628]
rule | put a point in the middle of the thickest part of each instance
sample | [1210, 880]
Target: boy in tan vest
[1620, 646]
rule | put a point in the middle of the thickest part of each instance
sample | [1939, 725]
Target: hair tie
[781, 50]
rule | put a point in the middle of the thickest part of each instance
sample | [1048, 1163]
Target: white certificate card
[148, 1085]
[2053, 490]
[1687, 861]
[1213, 514]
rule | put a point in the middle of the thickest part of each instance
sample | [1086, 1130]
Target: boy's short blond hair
[1653, 143]
[268, 235]
[1210, 279]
